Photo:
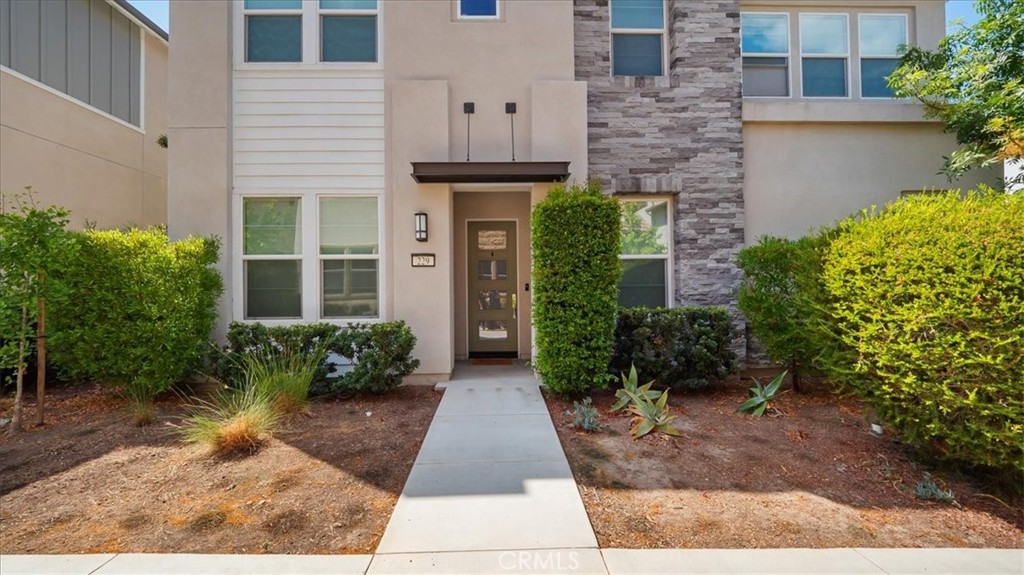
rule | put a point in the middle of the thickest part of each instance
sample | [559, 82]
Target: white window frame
[667, 256]
[663, 32]
[788, 55]
[847, 56]
[311, 41]
[497, 12]
[321, 12]
[311, 288]
[861, 57]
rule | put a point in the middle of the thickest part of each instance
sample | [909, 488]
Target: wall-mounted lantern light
[421, 226]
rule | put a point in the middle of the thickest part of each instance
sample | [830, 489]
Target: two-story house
[368, 160]
[83, 102]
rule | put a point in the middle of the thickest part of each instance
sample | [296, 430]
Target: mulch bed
[91, 482]
[813, 476]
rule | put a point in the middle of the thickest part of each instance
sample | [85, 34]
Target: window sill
[762, 109]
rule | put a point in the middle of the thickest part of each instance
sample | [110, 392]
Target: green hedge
[778, 295]
[142, 310]
[681, 348]
[926, 302]
[381, 353]
[576, 272]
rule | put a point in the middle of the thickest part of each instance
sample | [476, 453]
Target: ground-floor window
[293, 270]
[646, 248]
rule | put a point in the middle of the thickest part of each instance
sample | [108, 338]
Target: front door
[493, 313]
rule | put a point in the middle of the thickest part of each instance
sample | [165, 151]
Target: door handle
[515, 306]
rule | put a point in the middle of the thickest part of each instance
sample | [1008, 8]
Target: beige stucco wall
[433, 63]
[102, 169]
[199, 130]
[801, 176]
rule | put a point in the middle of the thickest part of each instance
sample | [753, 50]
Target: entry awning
[489, 172]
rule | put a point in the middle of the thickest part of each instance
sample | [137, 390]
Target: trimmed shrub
[381, 353]
[681, 348]
[576, 271]
[926, 300]
[257, 339]
[780, 314]
[142, 312]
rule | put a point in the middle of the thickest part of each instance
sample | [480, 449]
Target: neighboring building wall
[679, 134]
[100, 159]
[812, 161]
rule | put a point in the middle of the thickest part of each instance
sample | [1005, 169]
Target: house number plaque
[423, 260]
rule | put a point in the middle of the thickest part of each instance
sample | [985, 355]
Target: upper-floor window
[478, 9]
[273, 30]
[824, 55]
[87, 50]
[765, 46]
[346, 30]
[638, 37]
[881, 36]
[645, 240]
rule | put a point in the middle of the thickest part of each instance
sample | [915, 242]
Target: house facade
[83, 100]
[369, 160]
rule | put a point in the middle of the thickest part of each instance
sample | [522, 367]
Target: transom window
[346, 30]
[824, 55]
[765, 46]
[478, 9]
[645, 251]
[293, 271]
[638, 37]
[880, 38]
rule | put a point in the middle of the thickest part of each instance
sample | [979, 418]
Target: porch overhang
[489, 172]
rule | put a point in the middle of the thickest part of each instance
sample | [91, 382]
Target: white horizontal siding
[309, 129]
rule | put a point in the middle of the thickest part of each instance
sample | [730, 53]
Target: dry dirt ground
[90, 482]
[812, 477]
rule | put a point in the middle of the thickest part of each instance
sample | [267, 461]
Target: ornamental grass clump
[235, 421]
[283, 378]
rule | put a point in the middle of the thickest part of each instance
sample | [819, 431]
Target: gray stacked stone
[679, 134]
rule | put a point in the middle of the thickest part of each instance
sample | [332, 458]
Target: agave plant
[650, 415]
[761, 396]
[629, 386]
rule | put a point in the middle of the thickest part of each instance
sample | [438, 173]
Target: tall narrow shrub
[926, 300]
[576, 272]
[143, 310]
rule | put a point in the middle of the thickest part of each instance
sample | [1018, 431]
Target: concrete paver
[950, 561]
[52, 564]
[191, 564]
[737, 561]
[574, 561]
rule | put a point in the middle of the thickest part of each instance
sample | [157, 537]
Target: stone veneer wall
[679, 134]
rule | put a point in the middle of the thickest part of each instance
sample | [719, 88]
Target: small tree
[33, 243]
[974, 84]
[576, 272]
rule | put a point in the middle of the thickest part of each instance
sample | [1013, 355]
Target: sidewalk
[608, 561]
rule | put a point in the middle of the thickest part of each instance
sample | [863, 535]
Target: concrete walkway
[491, 474]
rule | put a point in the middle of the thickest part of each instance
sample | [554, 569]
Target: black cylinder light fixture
[421, 226]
